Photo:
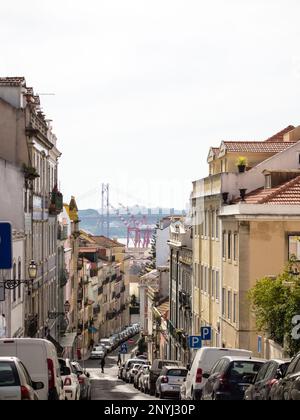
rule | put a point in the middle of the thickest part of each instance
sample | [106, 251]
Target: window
[202, 278]
[217, 286]
[268, 181]
[213, 283]
[223, 301]
[235, 247]
[229, 305]
[294, 246]
[224, 245]
[205, 224]
[217, 224]
[229, 245]
[213, 220]
[235, 302]
[206, 280]
[14, 278]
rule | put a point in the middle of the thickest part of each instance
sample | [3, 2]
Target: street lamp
[14, 284]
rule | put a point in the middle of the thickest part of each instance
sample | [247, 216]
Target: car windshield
[166, 363]
[98, 349]
[244, 371]
[177, 372]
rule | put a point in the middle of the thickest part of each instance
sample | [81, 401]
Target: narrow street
[107, 386]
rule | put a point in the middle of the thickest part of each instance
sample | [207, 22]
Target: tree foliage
[275, 302]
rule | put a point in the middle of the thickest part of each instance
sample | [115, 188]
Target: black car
[230, 378]
[288, 387]
[268, 376]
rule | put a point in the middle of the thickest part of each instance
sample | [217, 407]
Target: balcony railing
[113, 277]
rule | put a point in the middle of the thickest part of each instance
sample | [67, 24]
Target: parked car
[84, 381]
[169, 382]
[203, 362]
[269, 375]
[144, 384]
[106, 343]
[145, 381]
[128, 365]
[137, 376]
[70, 380]
[182, 395]
[15, 381]
[155, 371]
[98, 352]
[289, 386]
[40, 358]
[133, 371]
[230, 378]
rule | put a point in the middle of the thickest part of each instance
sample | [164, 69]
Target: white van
[203, 362]
[40, 358]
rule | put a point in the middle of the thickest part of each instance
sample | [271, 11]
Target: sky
[144, 88]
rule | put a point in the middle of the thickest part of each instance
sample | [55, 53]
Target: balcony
[118, 295]
[100, 290]
[113, 296]
[56, 205]
[31, 326]
[96, 310]
[113, 277]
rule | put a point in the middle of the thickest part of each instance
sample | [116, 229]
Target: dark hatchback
[268, 377]
[288, 388]
[230, 378]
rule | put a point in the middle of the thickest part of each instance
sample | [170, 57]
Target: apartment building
[241, 233]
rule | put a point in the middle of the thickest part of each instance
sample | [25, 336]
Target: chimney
[293, 135]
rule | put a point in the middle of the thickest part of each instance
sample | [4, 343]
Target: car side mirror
[37, 386]
[279, 374]
[206, 375]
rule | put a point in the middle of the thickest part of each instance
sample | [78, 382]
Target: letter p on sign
[206, 333]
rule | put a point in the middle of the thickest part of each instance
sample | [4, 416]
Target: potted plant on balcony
[30, 173]
[241, 164]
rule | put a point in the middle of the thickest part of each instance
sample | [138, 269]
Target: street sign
[206, 333]
[5, 246]
[2, 292]
[195, 342]
[124, 349]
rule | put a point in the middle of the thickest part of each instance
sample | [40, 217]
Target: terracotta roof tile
[12, 81]
[107, 242]
[256, 146]
[286, 193]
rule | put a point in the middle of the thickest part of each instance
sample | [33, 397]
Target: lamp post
[11, 284]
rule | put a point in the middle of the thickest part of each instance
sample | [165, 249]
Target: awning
[93, 330]
[68, 340]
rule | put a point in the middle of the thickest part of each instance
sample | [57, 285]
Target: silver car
[15, 381]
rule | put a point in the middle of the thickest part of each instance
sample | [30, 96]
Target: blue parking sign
[124, 349]
[195, 342]
[206, 333]
[5, 246]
